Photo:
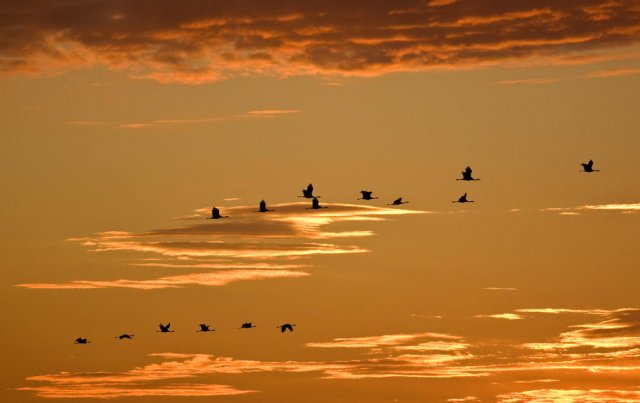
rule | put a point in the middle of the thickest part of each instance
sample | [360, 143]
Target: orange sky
[123, 123]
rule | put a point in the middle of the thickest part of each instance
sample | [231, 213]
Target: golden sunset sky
[124, 122]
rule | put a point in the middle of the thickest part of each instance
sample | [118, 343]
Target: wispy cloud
[214, 279]
[626, 208]
[606, 73]
[500, 289]
[256, 114]
[609, 346]
[507, 316]
[617, 72]
[380, 341]
[247, 246]
[572, 396]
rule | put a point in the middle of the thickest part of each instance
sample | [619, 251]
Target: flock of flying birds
[315, 204]
[204, 328]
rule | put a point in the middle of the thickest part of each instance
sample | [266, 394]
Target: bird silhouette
[366, 195]
[124, 336]
[81, 340]
[204, 328]
[588, 167]
[397, 202]
[263, 207]
[215, 214]
[308, 192]
[315, 204]
[165, 328]
[466, 175]
[463, 199]
[286, 326]
[247, 325]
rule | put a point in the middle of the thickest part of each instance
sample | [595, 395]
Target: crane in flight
[397, 202]
[315, 204]
[81, 340]
[463, 199]
[215, 214]
[588, 167]
[308, 192]
[366, 195]
[286, 326]
[247, 325]
[263, 207]
[466, 175]
[165, 328]
[125, 336]
[204, 328]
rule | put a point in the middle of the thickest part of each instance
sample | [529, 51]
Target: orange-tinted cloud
[572, 396]
[608, 347]
[214, 279]
[206, 41]
[626, 208]
[238, 245]
[256, 114]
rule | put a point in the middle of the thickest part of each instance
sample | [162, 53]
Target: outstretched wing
[288, 327]
[310, 188]
[468, 170]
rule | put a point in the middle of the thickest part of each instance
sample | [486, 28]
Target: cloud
[209, 41]
[500, 289]
[572, 396]
[380, 341]
[618, 332]
[538, 381]
[626, 208]
[618, 72]
[256, 114]
[214, 279]
[247, 246]
[93, 391]
[507, 316]
[608, 347]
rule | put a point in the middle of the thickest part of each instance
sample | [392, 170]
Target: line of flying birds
[204, 328]
[315, 204]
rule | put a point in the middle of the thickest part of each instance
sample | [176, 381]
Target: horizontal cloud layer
[626, 208]
[236, 247]
[608, 347]
[211, 40]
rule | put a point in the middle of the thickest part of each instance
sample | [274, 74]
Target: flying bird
[81, 340]
[165, 328]
[366, 195]
[315, 204]
[286, 326]
[204, 328]
[463, 199]
[263, 207]
[308, 192]
[588, 167]
[466, 175]
[397, 202]
[247, 325]
[215, 214]
[124, 336]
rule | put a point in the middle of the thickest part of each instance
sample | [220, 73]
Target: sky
[123, 123]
